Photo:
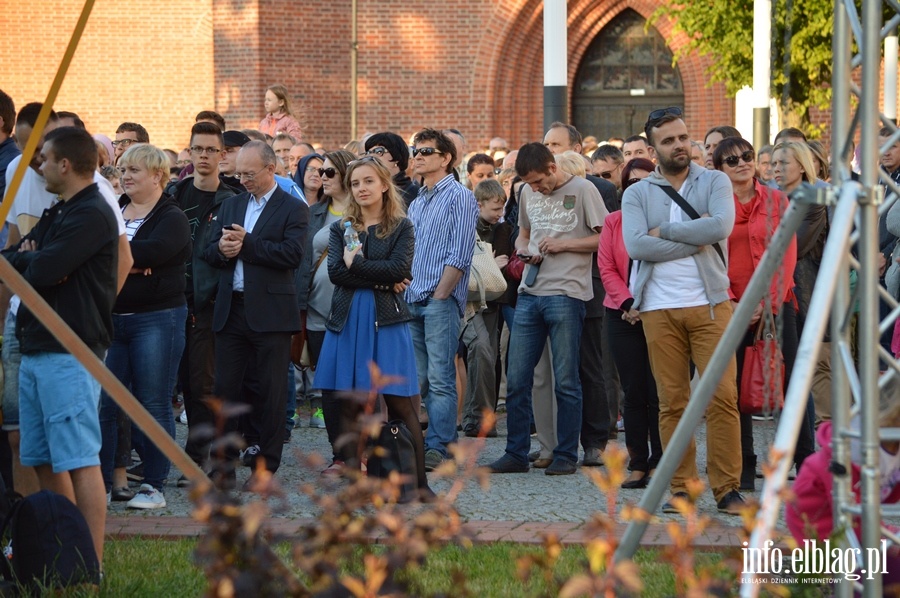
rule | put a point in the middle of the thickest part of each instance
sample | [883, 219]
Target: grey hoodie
[646, 206]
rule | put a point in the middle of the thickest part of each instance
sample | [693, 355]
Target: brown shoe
[542, 463]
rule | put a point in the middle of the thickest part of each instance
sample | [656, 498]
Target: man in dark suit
[258, 248]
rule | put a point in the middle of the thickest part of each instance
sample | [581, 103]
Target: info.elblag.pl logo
[769, 564]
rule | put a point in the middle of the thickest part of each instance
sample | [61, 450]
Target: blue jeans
[561, 318]
[58, 399]
[435, 333]
[144, 356]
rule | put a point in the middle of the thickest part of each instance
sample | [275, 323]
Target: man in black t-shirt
[200, 196]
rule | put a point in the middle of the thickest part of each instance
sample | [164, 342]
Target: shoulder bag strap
[690, 211]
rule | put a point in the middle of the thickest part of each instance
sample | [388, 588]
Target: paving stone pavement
[516, 507]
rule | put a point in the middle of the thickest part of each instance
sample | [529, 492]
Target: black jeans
[641, 405]
[594, 407]
[197, 383]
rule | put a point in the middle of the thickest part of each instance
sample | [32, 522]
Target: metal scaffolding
[855, 208]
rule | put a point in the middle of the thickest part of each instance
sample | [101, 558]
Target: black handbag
[394, 451]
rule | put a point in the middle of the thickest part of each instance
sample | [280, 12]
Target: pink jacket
[812, 490]
[613, 261]
[285, 124]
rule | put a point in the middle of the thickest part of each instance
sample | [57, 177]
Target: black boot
[748, 473]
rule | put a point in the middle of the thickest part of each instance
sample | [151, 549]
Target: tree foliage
[801, 48]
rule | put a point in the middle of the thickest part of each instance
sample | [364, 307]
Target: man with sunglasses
[393, 152]
[608, 163]
[681, 289]
[234, 141]
[444, 215]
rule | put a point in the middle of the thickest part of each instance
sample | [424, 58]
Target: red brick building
[473, 65]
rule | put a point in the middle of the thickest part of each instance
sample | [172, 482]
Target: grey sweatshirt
[646, 206]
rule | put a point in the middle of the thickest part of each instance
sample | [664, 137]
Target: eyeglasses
[670, 111]
[606, 174]
[182, 162]
[630, 182]
[243, 176]
[123, 142]
[733, 161]
[327, 173]
[209, 151]
[311, 169]
[425, 151]
[377, 151]
[363, 160]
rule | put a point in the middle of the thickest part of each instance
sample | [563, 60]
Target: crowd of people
[190, 271]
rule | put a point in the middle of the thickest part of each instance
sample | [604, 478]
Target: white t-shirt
[676, 283]
[33, 198]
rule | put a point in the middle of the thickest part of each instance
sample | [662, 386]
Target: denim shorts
[58, 409]
[11, 359]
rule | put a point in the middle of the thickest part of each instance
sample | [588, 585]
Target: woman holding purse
[369, 319]
[758, 211]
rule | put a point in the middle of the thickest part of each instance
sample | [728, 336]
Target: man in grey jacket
[681, 291]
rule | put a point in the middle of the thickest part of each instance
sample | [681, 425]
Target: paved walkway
[514, 508]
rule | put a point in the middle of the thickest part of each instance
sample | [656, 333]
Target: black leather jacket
[380, 264]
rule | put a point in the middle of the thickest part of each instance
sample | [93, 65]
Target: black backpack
[51, 544]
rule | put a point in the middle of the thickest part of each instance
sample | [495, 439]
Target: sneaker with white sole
[147, 497]
[317, 419]
[248, 455]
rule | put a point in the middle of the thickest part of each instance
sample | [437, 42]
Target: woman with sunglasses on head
[315, 288]
[758, 211]
[369, 319]
[640, 409]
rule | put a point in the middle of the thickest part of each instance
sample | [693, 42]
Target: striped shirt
[444, 218]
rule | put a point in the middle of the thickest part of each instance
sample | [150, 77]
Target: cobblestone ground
[530, 496]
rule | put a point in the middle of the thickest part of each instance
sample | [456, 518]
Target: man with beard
[681, 292]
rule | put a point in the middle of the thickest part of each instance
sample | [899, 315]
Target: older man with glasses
[256, 247]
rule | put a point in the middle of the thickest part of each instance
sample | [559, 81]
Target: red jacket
[614, 264]
[271, 125]
[812, 490]
[754, 226]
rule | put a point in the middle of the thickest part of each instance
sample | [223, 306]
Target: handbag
[394, 451]
[486, 282]
[762, 377]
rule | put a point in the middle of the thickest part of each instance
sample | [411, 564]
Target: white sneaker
[147, 497]
[183, 417]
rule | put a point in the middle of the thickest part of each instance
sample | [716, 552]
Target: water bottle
[351, 238]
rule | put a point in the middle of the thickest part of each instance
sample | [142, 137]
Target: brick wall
[149, 61]
[473, 65]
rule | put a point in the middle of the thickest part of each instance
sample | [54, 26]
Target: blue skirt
[344, 360]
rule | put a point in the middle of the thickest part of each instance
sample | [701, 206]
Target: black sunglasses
[606, 174]
[733, 161]
[630, 182]
[662, 113]
[327, 173]
[425, 151]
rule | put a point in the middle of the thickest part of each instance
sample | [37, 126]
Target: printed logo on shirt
[569, 202]
[545, 213]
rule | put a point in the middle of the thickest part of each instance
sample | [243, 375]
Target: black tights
[402, 408]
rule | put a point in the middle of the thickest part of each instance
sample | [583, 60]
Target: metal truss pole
[868, 284]
[840, 341]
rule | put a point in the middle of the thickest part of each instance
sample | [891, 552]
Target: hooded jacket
[301, 172]
[646, 206]
[162, 244]
[811, 505]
